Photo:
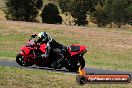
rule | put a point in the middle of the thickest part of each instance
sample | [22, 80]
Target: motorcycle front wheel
[20, 61]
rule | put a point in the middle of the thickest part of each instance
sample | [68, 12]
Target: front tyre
[74, 66]
[20, 61]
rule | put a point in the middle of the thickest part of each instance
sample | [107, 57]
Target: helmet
[43, 36]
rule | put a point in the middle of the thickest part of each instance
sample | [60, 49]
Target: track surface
[88, 70]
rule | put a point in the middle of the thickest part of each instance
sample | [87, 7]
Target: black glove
[33, 36]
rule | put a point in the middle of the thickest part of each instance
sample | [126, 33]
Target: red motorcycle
[32, 53]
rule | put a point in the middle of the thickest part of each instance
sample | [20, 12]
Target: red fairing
[22, 53]
[43, 48]
[26, 50]
[81, 49]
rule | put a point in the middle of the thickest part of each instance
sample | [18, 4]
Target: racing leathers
[56, 47]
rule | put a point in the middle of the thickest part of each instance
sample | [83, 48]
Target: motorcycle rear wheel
[74, 67]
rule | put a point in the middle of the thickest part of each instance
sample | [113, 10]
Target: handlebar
[32, 44]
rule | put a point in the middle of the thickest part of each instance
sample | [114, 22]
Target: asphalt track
[88, 70]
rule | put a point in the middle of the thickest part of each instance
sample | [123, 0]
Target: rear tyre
[20, 61]
[81, 80]
[74, 66]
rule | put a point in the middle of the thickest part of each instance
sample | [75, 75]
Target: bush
[23, 10]
[50, 14]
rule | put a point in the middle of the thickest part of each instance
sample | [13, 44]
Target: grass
[107, 49]
[29, 78]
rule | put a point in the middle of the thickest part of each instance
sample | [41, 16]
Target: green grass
[106, 49]
[29, 78]
[110, 60]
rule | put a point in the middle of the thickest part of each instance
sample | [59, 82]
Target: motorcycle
[31, 54]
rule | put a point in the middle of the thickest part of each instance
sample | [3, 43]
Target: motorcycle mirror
[33, 36]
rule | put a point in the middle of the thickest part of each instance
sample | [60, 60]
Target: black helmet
[43, 36]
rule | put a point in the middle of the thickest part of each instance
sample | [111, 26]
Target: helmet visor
[40, 35]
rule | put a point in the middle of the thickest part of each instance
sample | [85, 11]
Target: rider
[51, 44]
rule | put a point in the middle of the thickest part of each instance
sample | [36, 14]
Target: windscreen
[31, 42]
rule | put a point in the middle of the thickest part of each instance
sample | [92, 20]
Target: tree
[119, 12]
[92, 3]
[128, 17]
[66, 7]
[50, 14]
[99, 16]
[79, 13]
[23, 10]
[108, 10]
[77, 9]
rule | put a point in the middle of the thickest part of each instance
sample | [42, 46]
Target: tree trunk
[119, 25]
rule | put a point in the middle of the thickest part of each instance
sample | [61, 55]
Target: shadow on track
[49, 69]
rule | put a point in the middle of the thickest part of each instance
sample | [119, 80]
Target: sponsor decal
[84, 78]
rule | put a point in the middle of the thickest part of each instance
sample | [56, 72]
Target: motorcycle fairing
[43, 48]
[25, 50]
[76, 48]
